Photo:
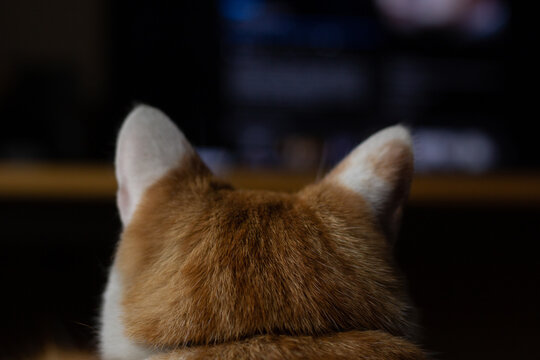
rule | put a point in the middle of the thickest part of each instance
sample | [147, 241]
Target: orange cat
[206, 271]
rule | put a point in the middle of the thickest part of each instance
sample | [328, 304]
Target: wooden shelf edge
[52, 181]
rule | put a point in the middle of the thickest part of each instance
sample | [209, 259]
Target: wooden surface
[96, 181]
[53, 352]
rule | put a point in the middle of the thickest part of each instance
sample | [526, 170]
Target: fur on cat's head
[200, 262]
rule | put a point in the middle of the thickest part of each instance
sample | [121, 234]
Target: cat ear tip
[146, 118]
[399, 131]
[396, 133]
[143, 107]
[141, 112]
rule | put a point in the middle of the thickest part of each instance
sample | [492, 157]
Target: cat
[206, 271]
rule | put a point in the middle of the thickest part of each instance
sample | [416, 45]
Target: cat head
[201, 262]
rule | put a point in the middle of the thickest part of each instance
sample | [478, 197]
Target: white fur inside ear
[148, 146]
[364, 170]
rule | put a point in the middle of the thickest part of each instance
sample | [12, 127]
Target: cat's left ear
[148, 146]
[380, 170]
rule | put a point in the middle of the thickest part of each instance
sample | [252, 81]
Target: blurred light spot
[241, 10]
[440, 149]
[218, 160]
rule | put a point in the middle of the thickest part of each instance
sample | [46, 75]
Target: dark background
[253, 81]
[228, 71]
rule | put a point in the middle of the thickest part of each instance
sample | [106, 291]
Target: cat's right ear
[380, 171]
[148, 146]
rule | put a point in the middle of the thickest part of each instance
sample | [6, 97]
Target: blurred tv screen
[261, 81]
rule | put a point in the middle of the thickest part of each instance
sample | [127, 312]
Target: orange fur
[206, 271]
[204, 263]
[361, 345]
